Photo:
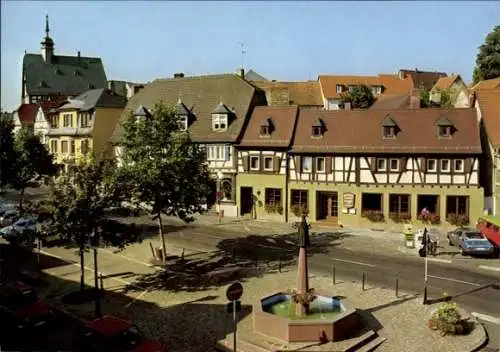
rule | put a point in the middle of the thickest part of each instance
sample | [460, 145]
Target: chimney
[179, 75]
[472, 99]
[347, 105]
[415, 99]
[241, 73]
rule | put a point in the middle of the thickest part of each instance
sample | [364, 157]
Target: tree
[32, 161]
[164, 170]
[78, 202]
[488, 58]
[360, 97]
[7, 156]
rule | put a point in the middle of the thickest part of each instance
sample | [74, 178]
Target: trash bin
[409, 236]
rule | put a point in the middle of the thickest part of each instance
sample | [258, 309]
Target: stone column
[302, 282]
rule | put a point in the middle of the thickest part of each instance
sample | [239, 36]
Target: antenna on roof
[243, 52]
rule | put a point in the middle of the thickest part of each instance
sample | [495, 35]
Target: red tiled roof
[360, 131]
[27, 113]
[445, 82]
[282, 121]
[489, 104]
[47, 106]
[493, 83]
[305, 93]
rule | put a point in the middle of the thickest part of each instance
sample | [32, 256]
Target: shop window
[371, 201]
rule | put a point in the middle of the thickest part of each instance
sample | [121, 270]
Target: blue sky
[141, 41]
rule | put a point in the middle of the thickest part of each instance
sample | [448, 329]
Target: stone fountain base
[320, 327]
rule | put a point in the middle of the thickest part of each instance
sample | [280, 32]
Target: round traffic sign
[234, 291]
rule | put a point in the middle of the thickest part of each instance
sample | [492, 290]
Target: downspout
[286, 184]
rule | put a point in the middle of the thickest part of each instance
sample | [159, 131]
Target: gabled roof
[221, 109]
[359, 131]
[446, 82]
[27, 114]
[182, 109]
[493, 83]
[306, 93]
[422, 79]
[391, 101]
[95, 98]
[142, 111]
[67, 75]
[489, 105]
[202, 94]
[388, 121]
[49, 107]
[443, 121]
[391, 84]
[251, 75]
[283, 122]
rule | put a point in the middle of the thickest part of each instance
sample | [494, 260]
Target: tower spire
[47, 25]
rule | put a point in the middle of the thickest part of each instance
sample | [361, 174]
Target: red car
[114, 334]
[21, 307]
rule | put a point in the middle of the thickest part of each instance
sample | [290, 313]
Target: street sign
[232, 306]
[234, 291]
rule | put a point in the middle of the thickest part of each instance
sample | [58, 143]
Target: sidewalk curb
[487, 267]
[483, 341]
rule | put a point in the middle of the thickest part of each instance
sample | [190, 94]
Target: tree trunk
[97, 293]
[162, 237]
[82, 269]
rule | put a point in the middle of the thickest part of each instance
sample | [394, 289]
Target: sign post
[233, 294]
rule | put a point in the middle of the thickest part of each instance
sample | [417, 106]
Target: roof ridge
[75, 56]
[211, 76]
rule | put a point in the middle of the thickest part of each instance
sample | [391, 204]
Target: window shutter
[402, 164]
[469, 163]
[227, 151]
[314, 160]
[328, 164]
[246, 163]
[423, 163]
[298, 163]
[373, 164]
[261, 163]
[277, 164]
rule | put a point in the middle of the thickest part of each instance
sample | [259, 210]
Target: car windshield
[474, 235]
[478, 243]
[128, 339]
[22, 298]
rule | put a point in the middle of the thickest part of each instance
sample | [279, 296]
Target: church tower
[47, 44]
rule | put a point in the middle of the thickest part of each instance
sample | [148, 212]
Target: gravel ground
[194, 321]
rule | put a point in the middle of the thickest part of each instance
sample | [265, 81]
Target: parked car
[21, 308]
[23, 230]
[8, 217]
[110, 333]
[470, 241]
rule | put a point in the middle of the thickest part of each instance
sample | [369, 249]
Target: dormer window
[444, 127]
[141, 113]
[318, 128]
[43, 84]
[220, 117]
[183, 114]
[378, 90]
[389, 128]
[340, 88]
[351, 88]
[183, 123]
[266, 128]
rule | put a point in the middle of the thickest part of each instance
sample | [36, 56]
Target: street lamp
[219, 193]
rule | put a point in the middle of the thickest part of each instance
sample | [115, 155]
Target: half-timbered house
[360, 167]
[263, 162]
[214, 109]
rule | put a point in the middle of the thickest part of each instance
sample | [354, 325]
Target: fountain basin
[275, 316]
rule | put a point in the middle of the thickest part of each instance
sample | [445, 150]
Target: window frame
[264, 131]
[380, 195]
[267, 157]
[72, 147]
[444, 131]
[441, 169]
[435, 168]
[316, 131]
[218, 120]
[323, 160]
[254, 157]
[183, 122]
[54, 146]
[457, 205]
[302, 195]
[462, 168]
[388, 132]
[384, 168]
[84, 147]
[64, 143]
[69, 118]
[302, 163]
[272, 196]
[399, 197]
[339, 88]
[397, 168]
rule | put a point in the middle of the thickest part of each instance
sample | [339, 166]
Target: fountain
[302, 315]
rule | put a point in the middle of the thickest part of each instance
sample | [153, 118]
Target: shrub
[274, 208]
[431, 218]
[373, 215]
[458, 219]
[299, 209]
[400, 217]
[447, 320]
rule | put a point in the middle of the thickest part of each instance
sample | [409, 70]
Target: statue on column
[303, 232]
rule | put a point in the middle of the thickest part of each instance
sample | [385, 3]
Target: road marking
[127, 258]
[139, 296]
[353, 262]
[486, 317]
[455, 280]
[446, 261]
[247, 229]
[486, 267]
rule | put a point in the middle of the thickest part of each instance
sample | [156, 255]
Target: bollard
[333, 274]
[397, 287]
[364, 279]
[425, 294]
[182, 256]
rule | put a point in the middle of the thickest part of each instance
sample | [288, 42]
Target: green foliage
[373, 215]
[7, 156]
[447, 320]
[162, 168]
[488, 58]
[458, 219]
[361, 97]
[425, 98]
[32, 161]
